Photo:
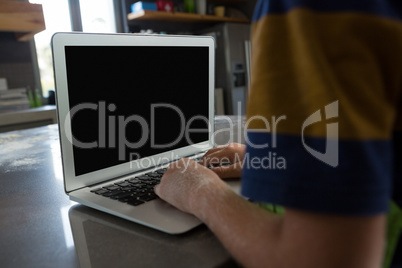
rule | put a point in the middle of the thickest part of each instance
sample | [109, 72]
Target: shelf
[29, 118]
[226, 1]
[181, 17]
[23, 18]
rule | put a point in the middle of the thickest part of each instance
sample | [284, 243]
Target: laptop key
[147, 198]
[127, 198]
[135, 202]
[143, 178]
[129, 188]
[100, 191]
[139, 194]
[134, 183]
[140, 186]
[133, 180]
[161, 171]
[123, 184]
[154, 175]
[93, 191]
[122, 195]
[143, 191]
[112, 187]
[112, 193]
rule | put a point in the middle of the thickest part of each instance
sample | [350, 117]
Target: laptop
[128, 105]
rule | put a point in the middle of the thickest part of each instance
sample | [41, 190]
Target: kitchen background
[26, 71]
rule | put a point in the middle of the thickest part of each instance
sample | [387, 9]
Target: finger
[207, 154]
[217, 148]
[157, 189]
[217, 157]
[226, 172]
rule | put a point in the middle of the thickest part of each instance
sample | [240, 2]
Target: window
[96, 16]
[57, 19]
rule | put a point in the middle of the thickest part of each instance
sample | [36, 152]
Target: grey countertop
[41, 227]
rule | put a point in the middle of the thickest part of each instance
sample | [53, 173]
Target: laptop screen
[130, 102]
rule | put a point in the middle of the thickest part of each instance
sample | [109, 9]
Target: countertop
[41, 227]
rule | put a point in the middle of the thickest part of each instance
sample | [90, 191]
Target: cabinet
[232, 54]
[22, 18]
[181, 17]
[180, 22]
[30, 118]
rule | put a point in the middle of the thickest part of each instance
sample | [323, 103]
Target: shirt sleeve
[326, 80]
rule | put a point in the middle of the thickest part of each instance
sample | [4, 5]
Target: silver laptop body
[128, 105]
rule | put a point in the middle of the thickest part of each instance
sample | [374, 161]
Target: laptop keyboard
[134, 191]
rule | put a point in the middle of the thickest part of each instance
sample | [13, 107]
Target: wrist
[210, 199]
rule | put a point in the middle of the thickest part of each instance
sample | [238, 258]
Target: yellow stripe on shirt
[304, 60]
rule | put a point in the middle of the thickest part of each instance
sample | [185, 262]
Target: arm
[257, 238]
[303, 60]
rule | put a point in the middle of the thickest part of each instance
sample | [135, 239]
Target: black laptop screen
[132, 102]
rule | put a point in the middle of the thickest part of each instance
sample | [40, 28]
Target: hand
[186, 184]
[233, 153]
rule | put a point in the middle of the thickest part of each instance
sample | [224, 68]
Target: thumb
[157, 189]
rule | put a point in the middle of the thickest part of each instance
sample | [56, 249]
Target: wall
[18, 62]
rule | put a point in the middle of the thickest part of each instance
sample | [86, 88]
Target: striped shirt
[324, 130]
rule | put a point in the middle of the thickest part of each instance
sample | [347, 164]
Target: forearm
[229, 216]
[258, 238]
